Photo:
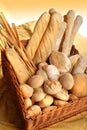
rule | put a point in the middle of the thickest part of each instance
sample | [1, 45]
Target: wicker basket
[44, 119]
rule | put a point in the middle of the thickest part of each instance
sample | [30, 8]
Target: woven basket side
[13, 84]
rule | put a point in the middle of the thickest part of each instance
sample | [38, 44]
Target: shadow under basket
[44, 119]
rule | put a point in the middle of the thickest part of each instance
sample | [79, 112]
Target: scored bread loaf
[49, 38]
[38, 32]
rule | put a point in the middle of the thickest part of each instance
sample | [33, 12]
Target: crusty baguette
[49, 38]
[36, 37]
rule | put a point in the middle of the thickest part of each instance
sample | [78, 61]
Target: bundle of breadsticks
[49, 71]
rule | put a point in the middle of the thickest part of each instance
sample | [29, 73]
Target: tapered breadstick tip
[79, 20]
[51, 11]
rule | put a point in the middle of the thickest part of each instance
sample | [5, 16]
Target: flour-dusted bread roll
[60, 60]
[52, 87]
[52, 72]
[37, 35]
[35, 81]
[33, 111]
[46, 101]
[49, 38]
[38, 95]
[26, 90]
[80, 85]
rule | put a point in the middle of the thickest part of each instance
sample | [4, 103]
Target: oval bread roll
[46, 101]
[28, 103]
[26, 90]
[38, 95]
[67, 81]
[59, 102]
[35, 81]
[62, 94]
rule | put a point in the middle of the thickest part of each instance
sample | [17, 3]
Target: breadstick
[69, 19]
[60, 34]
[39, 30]
[77, 23]
[49, 38]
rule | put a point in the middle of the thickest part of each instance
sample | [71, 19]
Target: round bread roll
[33, 111]
[38, 95]
[67, 81]
[36, 81]
[52, 87]
[28, 103]
[80, 86]
[26, 90]
[52, 72]
[46, 101]
[59, 102]
[42, 73]
[62, 94]
[60, 60]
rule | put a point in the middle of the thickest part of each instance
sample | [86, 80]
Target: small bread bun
[36, 81]
[61, 61]
[26, 90]
[46, 101]
[28, 103]
[42, 73]
[59, 102]
[33, 111]
[67, 81]
[62, 94]
[52, 72]
[38, 95]
[52, 87]
[80, 86]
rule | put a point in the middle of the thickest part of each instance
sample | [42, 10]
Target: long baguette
[48, 41]
[36, 37]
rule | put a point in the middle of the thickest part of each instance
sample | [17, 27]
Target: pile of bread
[53, 77]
